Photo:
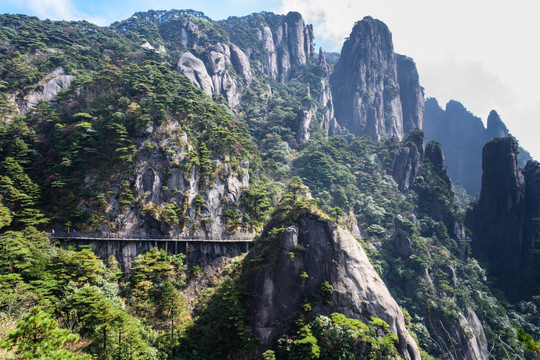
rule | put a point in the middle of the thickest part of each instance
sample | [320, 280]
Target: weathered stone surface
[406, 161]
[295, 38]
[158, 182]
[290, 238]
[270, 52]
[224, 84]
[328, 123]
[500, 209]
[402, 243]
[470, 337]
[148, 46]
[503, 220]
[326, 253]
[284, 65]
[216, 62]
[206, 255]
[194, 69]
[304, 118]
[188, 29]
[213, 75]
[286, 45]
[410, 93]
[47, 88]
[365, 83]
[308, 41]
[495, 126]
[241, 64]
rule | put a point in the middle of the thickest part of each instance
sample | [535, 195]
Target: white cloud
[525, 128]
[59, 10]
[469, 82]
[53, 9]
[332, 23]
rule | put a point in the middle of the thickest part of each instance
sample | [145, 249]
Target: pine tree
[38, 336]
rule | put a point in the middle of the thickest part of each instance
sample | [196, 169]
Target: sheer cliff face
[503, 220]
[213, 75]
[406, 161]
[46, 89]
[286, 46]
[326, 253]
[366, 85]
[411, 94]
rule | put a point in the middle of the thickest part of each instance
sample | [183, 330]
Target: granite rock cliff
[46, 89]
[411, 94]
[503, 221]
[326, 252]
[366, 85]
[407, 159]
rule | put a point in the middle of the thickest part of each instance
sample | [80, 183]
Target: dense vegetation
[72, 162]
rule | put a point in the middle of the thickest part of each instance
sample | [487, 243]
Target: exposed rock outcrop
[406, 161]
[503, 220]
[366, 86]
[213, 75]
[224, 83]
[326, 253]
[204, 254]
[299, 38]
[194, 69]
[270, 53]
[286, 43]
[411, 94]
[470, 336]
[47, 88]
[304, 120]
[158, 182]
[187, 30]
[328, 123]
[402, 243]
[160, 50]
[495, 126]
[241, 63]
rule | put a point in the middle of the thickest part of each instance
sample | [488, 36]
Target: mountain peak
[366, 84]
[495, 126]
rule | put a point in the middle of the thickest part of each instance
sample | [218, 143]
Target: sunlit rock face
[325, 252]
[366, 85]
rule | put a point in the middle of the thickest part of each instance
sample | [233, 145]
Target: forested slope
[170, 124]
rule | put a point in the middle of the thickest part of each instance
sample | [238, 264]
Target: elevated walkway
[114, 237]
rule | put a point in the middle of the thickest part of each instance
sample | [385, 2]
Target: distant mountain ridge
[462, 137]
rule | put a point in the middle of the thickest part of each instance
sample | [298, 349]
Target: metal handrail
[116, 237]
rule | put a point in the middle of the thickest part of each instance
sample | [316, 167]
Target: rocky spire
[495, 126]
[411, 94]
[503, 221]
[366, 86]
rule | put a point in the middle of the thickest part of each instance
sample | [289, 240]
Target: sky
[483, 53]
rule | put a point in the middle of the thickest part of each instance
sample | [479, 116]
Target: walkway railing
[116, 237]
